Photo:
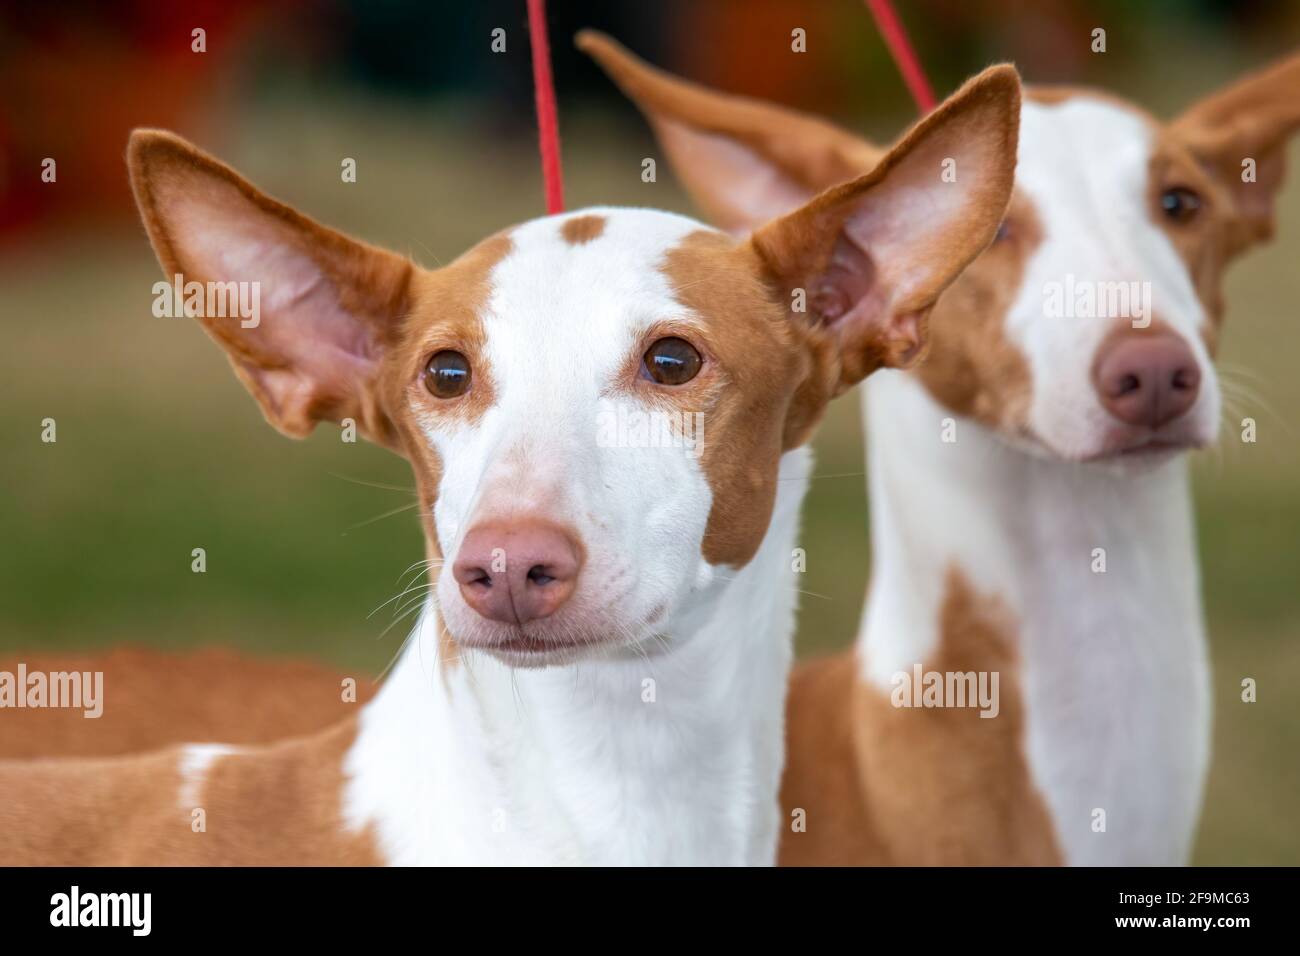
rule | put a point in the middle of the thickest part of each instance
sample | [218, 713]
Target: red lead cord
[548, 124]
[904, 56]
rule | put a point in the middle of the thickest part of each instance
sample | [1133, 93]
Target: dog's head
[595, 405]
[1087, 329]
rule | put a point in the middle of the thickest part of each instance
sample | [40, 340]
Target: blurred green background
[160, 451]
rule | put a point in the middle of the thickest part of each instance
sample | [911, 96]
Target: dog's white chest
[1099, 573]
[1116, 676]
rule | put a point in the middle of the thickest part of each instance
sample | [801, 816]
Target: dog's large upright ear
[872, 255]
[326, 304]
[1240, 134]
[744, 162]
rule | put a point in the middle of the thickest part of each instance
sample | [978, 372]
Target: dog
[599, 672]
[1031, 517]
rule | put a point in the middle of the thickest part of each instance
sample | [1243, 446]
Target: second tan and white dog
[599, 673]
[1031, 514]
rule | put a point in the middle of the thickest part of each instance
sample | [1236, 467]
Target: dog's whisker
[371, 484]
[381, 517]
[399, 596]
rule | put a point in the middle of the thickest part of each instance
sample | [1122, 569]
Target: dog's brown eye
[1179, 203]
[672, 361]
[447, 374]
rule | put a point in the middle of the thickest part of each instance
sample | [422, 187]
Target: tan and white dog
[600, 670]
[998, 553]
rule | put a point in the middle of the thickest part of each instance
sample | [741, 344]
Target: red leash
[901, 50]
[548, 123]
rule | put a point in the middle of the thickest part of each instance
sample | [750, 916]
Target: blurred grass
[160, 450]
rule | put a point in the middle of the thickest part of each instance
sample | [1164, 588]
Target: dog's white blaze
[1114, 664]
[485, 763]
[1084, 165]
[562, 323]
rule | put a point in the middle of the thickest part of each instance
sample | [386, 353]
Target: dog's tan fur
[155, 698]
[271, 805]
[885, 785]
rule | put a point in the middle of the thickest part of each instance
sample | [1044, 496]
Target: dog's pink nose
[517, 571]
[1146, 378]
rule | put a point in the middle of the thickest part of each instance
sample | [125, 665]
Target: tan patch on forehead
[916, 786]
[581, 229]
[755, 361]
[972, 367]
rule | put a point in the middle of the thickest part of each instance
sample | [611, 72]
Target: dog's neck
[670, 756]
[1114, 664]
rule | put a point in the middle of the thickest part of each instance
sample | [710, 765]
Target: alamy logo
[631, 428]
[1082, 299]
[214, 300]
[71, 690]
[75, 908]
[922, 688]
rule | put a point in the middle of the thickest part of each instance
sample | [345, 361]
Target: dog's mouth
[520, 647]
[533, 651]
[1150, 448]
[576, 632]
[530, 646]
[1154, 447]
[1127, 446]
